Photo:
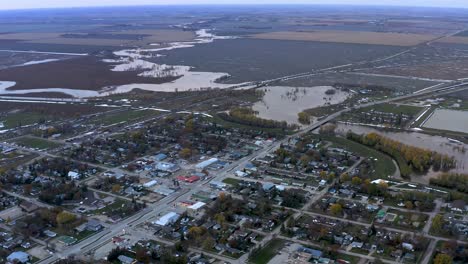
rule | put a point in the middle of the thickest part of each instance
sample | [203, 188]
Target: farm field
[355, 37]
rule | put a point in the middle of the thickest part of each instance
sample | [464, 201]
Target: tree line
[410, 159]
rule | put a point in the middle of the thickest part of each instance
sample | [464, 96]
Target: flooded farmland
[284, 103]
[451, 120]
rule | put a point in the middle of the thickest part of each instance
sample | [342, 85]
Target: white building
[167, 219]
[202, 165]
[73, 175]
[150, 184]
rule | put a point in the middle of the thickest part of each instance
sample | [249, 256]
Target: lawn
[382, 163]
[265, 254]
[394, 109]
[36, 143]
[231, 181]
[118, 203]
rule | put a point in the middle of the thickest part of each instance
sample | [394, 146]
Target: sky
[26, 4]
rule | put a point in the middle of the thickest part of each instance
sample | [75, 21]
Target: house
[93, 225]
[19, 257]
[125, 260]
[167, 219]
[73, 175]
[160, 157]
[267, 186]
[315, 254]
[217, 185]
[407, 246]
[458, 206]
[28, 207]
[167, 167]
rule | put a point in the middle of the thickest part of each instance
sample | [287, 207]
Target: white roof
[206, 163]
[197, 205]
[167, 219]
[73, 174]
[150, 183]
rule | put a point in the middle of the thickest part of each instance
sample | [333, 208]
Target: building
[217, 185]
[150, 184]
[18, 256]
[167, 167]
[73, 175]
[195, 208]
[167, 219]
[189, 179]
[125, 260]
[163, 190]
[160, 157]
[202, 165]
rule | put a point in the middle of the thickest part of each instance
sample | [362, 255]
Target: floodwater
[452, 120]
[284, 103]
[435, 143]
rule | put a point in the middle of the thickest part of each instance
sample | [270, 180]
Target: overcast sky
[21, 4]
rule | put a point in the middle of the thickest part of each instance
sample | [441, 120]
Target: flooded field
[451, 120]
[283, 103]
[436, 143]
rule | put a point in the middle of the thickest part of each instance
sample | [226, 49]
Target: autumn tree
[442, 259]
[336, 209]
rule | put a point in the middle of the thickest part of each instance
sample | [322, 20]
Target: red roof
[188, 179]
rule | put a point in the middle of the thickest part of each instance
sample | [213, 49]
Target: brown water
[284, 103]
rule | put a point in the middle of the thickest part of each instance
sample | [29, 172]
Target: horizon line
[231, 4]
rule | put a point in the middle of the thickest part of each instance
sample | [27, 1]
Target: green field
[265, 254]
[21, 119]
[231, 181]
[36, 143]
[394, 109]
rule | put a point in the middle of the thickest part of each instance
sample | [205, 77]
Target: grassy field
[231, 181]
[36, 143]
[267, 252]
[21, 119]
[394, 109]
[383, 166]
[125, 116]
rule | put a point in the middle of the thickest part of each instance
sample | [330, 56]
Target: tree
[142, 256]
[437, 223]
[442, 259]
[116, 188]
[303, 118]
[185, 153]
[336, 209]
[65, 217]
[409, 205]
[356, 181]
[344, 177]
